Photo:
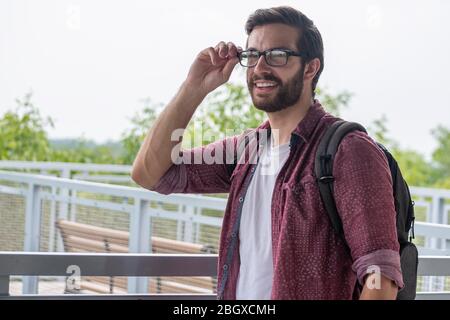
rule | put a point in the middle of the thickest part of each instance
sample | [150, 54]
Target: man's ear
[311, 69]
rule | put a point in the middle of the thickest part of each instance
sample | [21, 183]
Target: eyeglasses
[273, 57]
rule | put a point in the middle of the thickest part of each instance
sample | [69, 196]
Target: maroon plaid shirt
[310, 260]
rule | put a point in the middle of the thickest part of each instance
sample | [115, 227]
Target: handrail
[142, 206]
[100, 264]
[104, 264]
[110, 189]
[44, 165]
[107, 264]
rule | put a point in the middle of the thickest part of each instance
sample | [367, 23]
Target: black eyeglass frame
[266, 52]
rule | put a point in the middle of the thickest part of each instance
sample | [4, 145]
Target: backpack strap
[323, 166]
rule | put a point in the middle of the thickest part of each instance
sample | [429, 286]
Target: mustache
[268, 77]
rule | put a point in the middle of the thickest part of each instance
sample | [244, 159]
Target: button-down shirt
[310, 261]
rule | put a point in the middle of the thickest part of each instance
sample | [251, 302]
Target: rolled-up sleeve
[202, 170]
[365, 203]
[384, 261]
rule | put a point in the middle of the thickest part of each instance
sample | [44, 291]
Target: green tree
[85, 152]
[441, 157]
[416, 170]
[333, 103]
[227, 111]
[23, 136]
[22, 133]
[379, 132]
[140, 123]
[231, 108]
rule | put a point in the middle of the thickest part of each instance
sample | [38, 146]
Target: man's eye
[252, 54]
[277, 54]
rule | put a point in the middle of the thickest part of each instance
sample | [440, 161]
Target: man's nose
[261, 64]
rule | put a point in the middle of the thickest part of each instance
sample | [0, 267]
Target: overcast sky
[90, 62]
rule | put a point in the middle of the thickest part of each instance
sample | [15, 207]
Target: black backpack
[404, 206]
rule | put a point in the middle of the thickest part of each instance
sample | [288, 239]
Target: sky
[89, 64]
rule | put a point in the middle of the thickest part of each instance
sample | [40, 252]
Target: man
[276, 239]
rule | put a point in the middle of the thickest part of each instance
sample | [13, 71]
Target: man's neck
[283, 122]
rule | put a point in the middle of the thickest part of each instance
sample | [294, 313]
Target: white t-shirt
[255, 232]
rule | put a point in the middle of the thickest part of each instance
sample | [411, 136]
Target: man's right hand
[212, 67]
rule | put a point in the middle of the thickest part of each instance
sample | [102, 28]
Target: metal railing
[145, 265]
[88, 264]
[434, 266]
[192, 218]
[36, 189]
[82, 171]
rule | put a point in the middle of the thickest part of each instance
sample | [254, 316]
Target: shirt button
[253, 169]
[233, 235]
[225, 267]
[241, 199]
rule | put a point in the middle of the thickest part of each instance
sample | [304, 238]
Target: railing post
[64, 192]
[188, 230]
[140, 235]
[51, 234]
[4, 286]
[198, 212]
[32, 233]
[180, 224]
[63, 206]
[437, 216]
[73, 206]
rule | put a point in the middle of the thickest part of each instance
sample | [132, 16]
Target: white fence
[31, 203]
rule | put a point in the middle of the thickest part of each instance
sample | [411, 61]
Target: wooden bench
[79, 237]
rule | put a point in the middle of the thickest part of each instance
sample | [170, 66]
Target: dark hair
[310, 40]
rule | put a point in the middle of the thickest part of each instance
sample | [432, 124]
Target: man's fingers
[229, 66]
[232, 50]
[227, 50]
[212, 52]
[222, 50]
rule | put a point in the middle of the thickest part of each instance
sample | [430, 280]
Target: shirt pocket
[302, 196]
[300, 185]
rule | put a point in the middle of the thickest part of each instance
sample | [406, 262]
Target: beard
[287, 94]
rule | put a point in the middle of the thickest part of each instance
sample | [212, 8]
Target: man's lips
[264, 87]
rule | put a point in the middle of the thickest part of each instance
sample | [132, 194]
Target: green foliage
[442, 183]
[416, 170]
[84, 152]
[140, 123]
[333, 103]
[24, 137]
[227, 111]
[379, 132]
[23, 134]
[441, 155]
[230, 111]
